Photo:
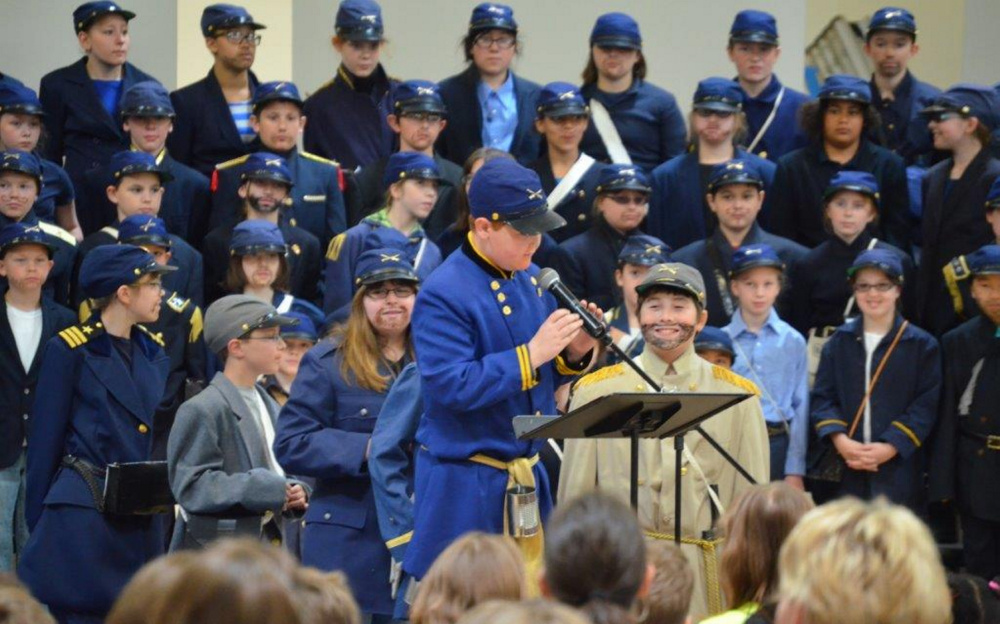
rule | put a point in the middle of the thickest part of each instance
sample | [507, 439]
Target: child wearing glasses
[876, 394]
[490, 106]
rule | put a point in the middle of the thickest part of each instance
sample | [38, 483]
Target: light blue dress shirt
[499, 110]
[775, 359]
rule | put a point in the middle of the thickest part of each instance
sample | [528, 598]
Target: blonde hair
[17, 606]
[325, 598]
[872, 562]
[362, 349]
[528, 612]
[475, 568]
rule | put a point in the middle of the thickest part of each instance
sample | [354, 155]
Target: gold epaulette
[312, 156]
[954, 272]
[58, 232]
[157, 338]
[608, 372]
[336, 243]
[79, 335]
[232, 163]
[197, 325]
[730, 377]
[177, 303]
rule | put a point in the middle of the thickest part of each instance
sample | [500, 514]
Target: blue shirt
[499, 109]
[109, 92]
[775, 360]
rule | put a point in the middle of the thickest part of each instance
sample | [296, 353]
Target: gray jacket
[219, 469]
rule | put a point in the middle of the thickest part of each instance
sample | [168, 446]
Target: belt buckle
[993, 442]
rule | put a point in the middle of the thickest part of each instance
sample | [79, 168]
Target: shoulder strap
[575, 173]
[719, 271]
[609, 133]
[767, 122]
[878, 373]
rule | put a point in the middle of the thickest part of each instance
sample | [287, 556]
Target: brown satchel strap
[878, 373]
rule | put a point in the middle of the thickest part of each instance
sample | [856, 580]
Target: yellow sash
[519, 472]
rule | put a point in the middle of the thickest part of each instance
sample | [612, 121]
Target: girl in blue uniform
[411, 181]
[257, 267]
[101, 382]
[587, 262]
[822, 300]
[347, 115]
[877, 389]
[633, 120]
[21, 118]
[679, 213]
[488, 106]
[324, 430]
[81, 100]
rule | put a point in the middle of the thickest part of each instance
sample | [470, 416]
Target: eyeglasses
[401, 292]
[943, 116]
[504, 42]
[431, 118]
[625, 200]
[705, 113]
[882, 287]
[156, 285]
[235, 36]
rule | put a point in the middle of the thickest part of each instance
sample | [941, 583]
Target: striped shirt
[241, 117]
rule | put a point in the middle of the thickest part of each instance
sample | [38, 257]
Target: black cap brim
[717, 105]
[539, 223]
[854, 188]
[264, 101]
[878, 266]
[373, 35]
[144, 239]
[164, 176]
[670, 284]
[846, 96]
[713, 346]
[563, 110]
[628, 185]
[989, 270]
[267, 175]
[623, 43]
[397, 275]
[735, 179]
[477, 27]
[277, 320]
[149, 111]
[421, 106]
[250, 250]
[754, 37]
[23, 109]
[299, 335]
[49, 247]
[159, 269]
[900, 28]
[771, 264]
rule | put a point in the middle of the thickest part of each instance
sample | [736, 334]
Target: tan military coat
[591, 464]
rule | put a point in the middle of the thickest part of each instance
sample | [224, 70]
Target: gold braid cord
[713, 589]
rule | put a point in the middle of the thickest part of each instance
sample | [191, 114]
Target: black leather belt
[992, 441]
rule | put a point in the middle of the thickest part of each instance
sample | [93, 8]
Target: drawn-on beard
[649, 334]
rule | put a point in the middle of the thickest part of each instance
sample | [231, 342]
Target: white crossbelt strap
[285, 305]
[965, 404]
[708, 486]
[569, 181]
[609, 133]
[420, 255]
[768, 121]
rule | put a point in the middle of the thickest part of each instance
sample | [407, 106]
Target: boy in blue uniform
[735, 195]
[492, 349]
[148, 117]
[103, 380]
[891, 43]
[772, 355]
[213, 114]
[418, 116]
[298, 340]
[966, 453]
[569, 176]
[771, 108]
[21, 118]
[635, 121]
[412, 180]
[957, 272]
[714, 345]
[640, 253]
[317, 204]
[265, 184]
[136, 186]
[20, 181]
[349, 112]
[81, 100]
[27, 321]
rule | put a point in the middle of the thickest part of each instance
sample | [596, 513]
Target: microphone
[549, 280]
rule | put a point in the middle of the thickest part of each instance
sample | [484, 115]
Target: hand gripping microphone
[549, 280]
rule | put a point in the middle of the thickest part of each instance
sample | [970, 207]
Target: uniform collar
[378, 76]
[159, 156]
[470, 250]
[770, 92]
[505, 90]
[863, 155]
[381, 217]
[900, 93]
[739, 326]
[860, 243]
[657, 368]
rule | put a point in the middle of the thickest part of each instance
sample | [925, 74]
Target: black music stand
[634, 416]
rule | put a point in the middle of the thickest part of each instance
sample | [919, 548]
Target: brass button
[501, 297]
[684, 471]
[495, 285]
[143, 428]
[980, 452]
[276, 542]
[693, 387]
[506, 310]
[581, 194]
[534, 282]
[581, 217]
[640, 387]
